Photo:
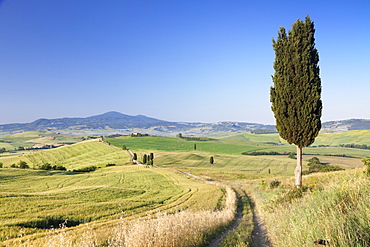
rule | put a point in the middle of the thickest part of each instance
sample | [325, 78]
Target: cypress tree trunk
[298, 169]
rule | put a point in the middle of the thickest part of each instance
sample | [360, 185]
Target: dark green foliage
[289, 196]
[198, 138]
[1, 164]
[367, 163]
[144, 159]
[256, 153]
[134, 157]
[328, 168]
[274, 184]
[211, 160]
[296, 93]
[86, 169]
[323, 168]
[124, 147]
[50, 223]
[47, 167]
[314, 161]
[23, 165]
[110, 165]
[138, 135]
[291, 155]
[363, 146]
[151, 156]
[60, 168]
[195, 146]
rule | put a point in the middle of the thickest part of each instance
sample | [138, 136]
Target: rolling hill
[115, 122]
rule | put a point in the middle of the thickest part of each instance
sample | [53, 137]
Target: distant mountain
[345, 125]
[115, 122]
[109, 120]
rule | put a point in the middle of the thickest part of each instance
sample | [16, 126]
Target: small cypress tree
[296, 93]
[211, 160]
[144, 159]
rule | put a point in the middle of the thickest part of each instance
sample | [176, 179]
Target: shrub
[292, 155]
[314, 161]
[23, 164]
[367, 163]
[86, 169]
[45, 166]
[305, 172]
[324, 168]
[110, 165]
[61, 168]
[289, 195]
[1, 165]
[274, 184]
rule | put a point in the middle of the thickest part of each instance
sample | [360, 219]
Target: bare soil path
[239, 215]
[259, 234]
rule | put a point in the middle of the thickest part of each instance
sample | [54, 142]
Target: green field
[230, 145]
[233, 145]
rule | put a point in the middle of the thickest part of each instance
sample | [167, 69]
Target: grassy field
[229, 145]
[331, 206]
[34, 139]
[126, 200]
[89, 153]
[348, 137]
[34, 200]
[233, 145]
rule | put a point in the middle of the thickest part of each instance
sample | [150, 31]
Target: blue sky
[191, 61]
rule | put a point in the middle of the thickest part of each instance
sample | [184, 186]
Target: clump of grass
[275, 183]
[339, 212]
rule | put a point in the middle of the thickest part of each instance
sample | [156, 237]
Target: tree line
[359, 146]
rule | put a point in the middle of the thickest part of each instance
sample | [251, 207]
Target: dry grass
[335, 208]
[185, 228]
[180, 229]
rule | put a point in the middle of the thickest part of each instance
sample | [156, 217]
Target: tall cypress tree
[296, 94]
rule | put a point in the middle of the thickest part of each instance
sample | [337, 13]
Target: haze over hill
[115, 122]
